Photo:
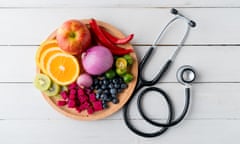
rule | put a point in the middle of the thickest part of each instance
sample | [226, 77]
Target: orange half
[63, 68]
[46, 56]
[42, 48]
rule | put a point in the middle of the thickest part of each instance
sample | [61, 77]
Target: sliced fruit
[121, 63]
[128, 58]
[121, 72]
[46, 55]
[63, 68]
[42, 82]
[53, 90]
[128, 78]
[110, 74]
[43, 47]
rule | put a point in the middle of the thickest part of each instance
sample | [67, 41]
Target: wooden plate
[123, 97]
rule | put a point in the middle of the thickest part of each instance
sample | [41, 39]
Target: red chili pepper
[104, 41]
[116, 40]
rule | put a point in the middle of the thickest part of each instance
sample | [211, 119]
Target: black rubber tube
[153, 134]
[169, 123]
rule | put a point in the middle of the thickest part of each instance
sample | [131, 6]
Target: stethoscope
[185, 75]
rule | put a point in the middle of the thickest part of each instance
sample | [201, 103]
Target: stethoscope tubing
[164, 126]
[151, 134]
[142, 83]
[170, 123]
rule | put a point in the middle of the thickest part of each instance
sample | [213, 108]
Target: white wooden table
[212, 48]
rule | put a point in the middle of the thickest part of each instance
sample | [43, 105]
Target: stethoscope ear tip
[174, 11]
[192, 23]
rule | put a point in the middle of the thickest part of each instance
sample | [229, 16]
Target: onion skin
[97, 60]
[84, 80]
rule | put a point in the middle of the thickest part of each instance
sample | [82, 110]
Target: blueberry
[109, 98]
[123, 86]
[103, 96]
[120, 80]
[95, 81]
[110, 85]
[104, 102]
[98, 96]
[96, 86]
[115, 100]
[105, 106]
[106, 91]
[117, 85]
[99, 91]
[105, 82]
[115, 81]
[114, 95]
[119, 90]
[103, 87]
[113, 91]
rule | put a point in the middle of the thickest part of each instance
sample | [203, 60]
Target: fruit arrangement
[86, 69]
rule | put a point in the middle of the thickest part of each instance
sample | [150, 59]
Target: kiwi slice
[53, 90]
[42, 82]
[62, 88]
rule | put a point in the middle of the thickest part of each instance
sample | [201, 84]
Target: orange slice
[46, 55]
[43, 47]
[63, 68]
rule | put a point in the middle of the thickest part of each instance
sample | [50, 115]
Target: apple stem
[72, 35]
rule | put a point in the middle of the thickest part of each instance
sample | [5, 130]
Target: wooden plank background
[212, 48]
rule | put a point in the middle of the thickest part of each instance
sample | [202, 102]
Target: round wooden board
[123, 97]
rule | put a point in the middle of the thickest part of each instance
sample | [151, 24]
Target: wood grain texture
[105, 131]
[215, 26]
[119, 3]
[213, 49]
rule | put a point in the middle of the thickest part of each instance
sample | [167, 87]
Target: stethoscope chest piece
[186, 75]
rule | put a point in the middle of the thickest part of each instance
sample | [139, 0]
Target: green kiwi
[42, 82]
[53, 90]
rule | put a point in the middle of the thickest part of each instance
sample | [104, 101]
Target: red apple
[73, 37]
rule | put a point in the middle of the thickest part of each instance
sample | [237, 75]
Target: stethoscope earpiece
[191, 23]
[186, 75]
[174, 11]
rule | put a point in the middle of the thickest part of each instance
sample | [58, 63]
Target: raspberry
[97, 105]
[86, 105]
[72, 86]
[73, 91]
[80, 92]
[64, 95]
[82, 98]
[92, 97]
[72, 96]
[61, 103]
[90, 110]
[71, 104]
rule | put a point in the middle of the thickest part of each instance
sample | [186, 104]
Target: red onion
[84, 80]
[97, 60]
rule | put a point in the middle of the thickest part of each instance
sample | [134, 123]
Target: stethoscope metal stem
[180, 45]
